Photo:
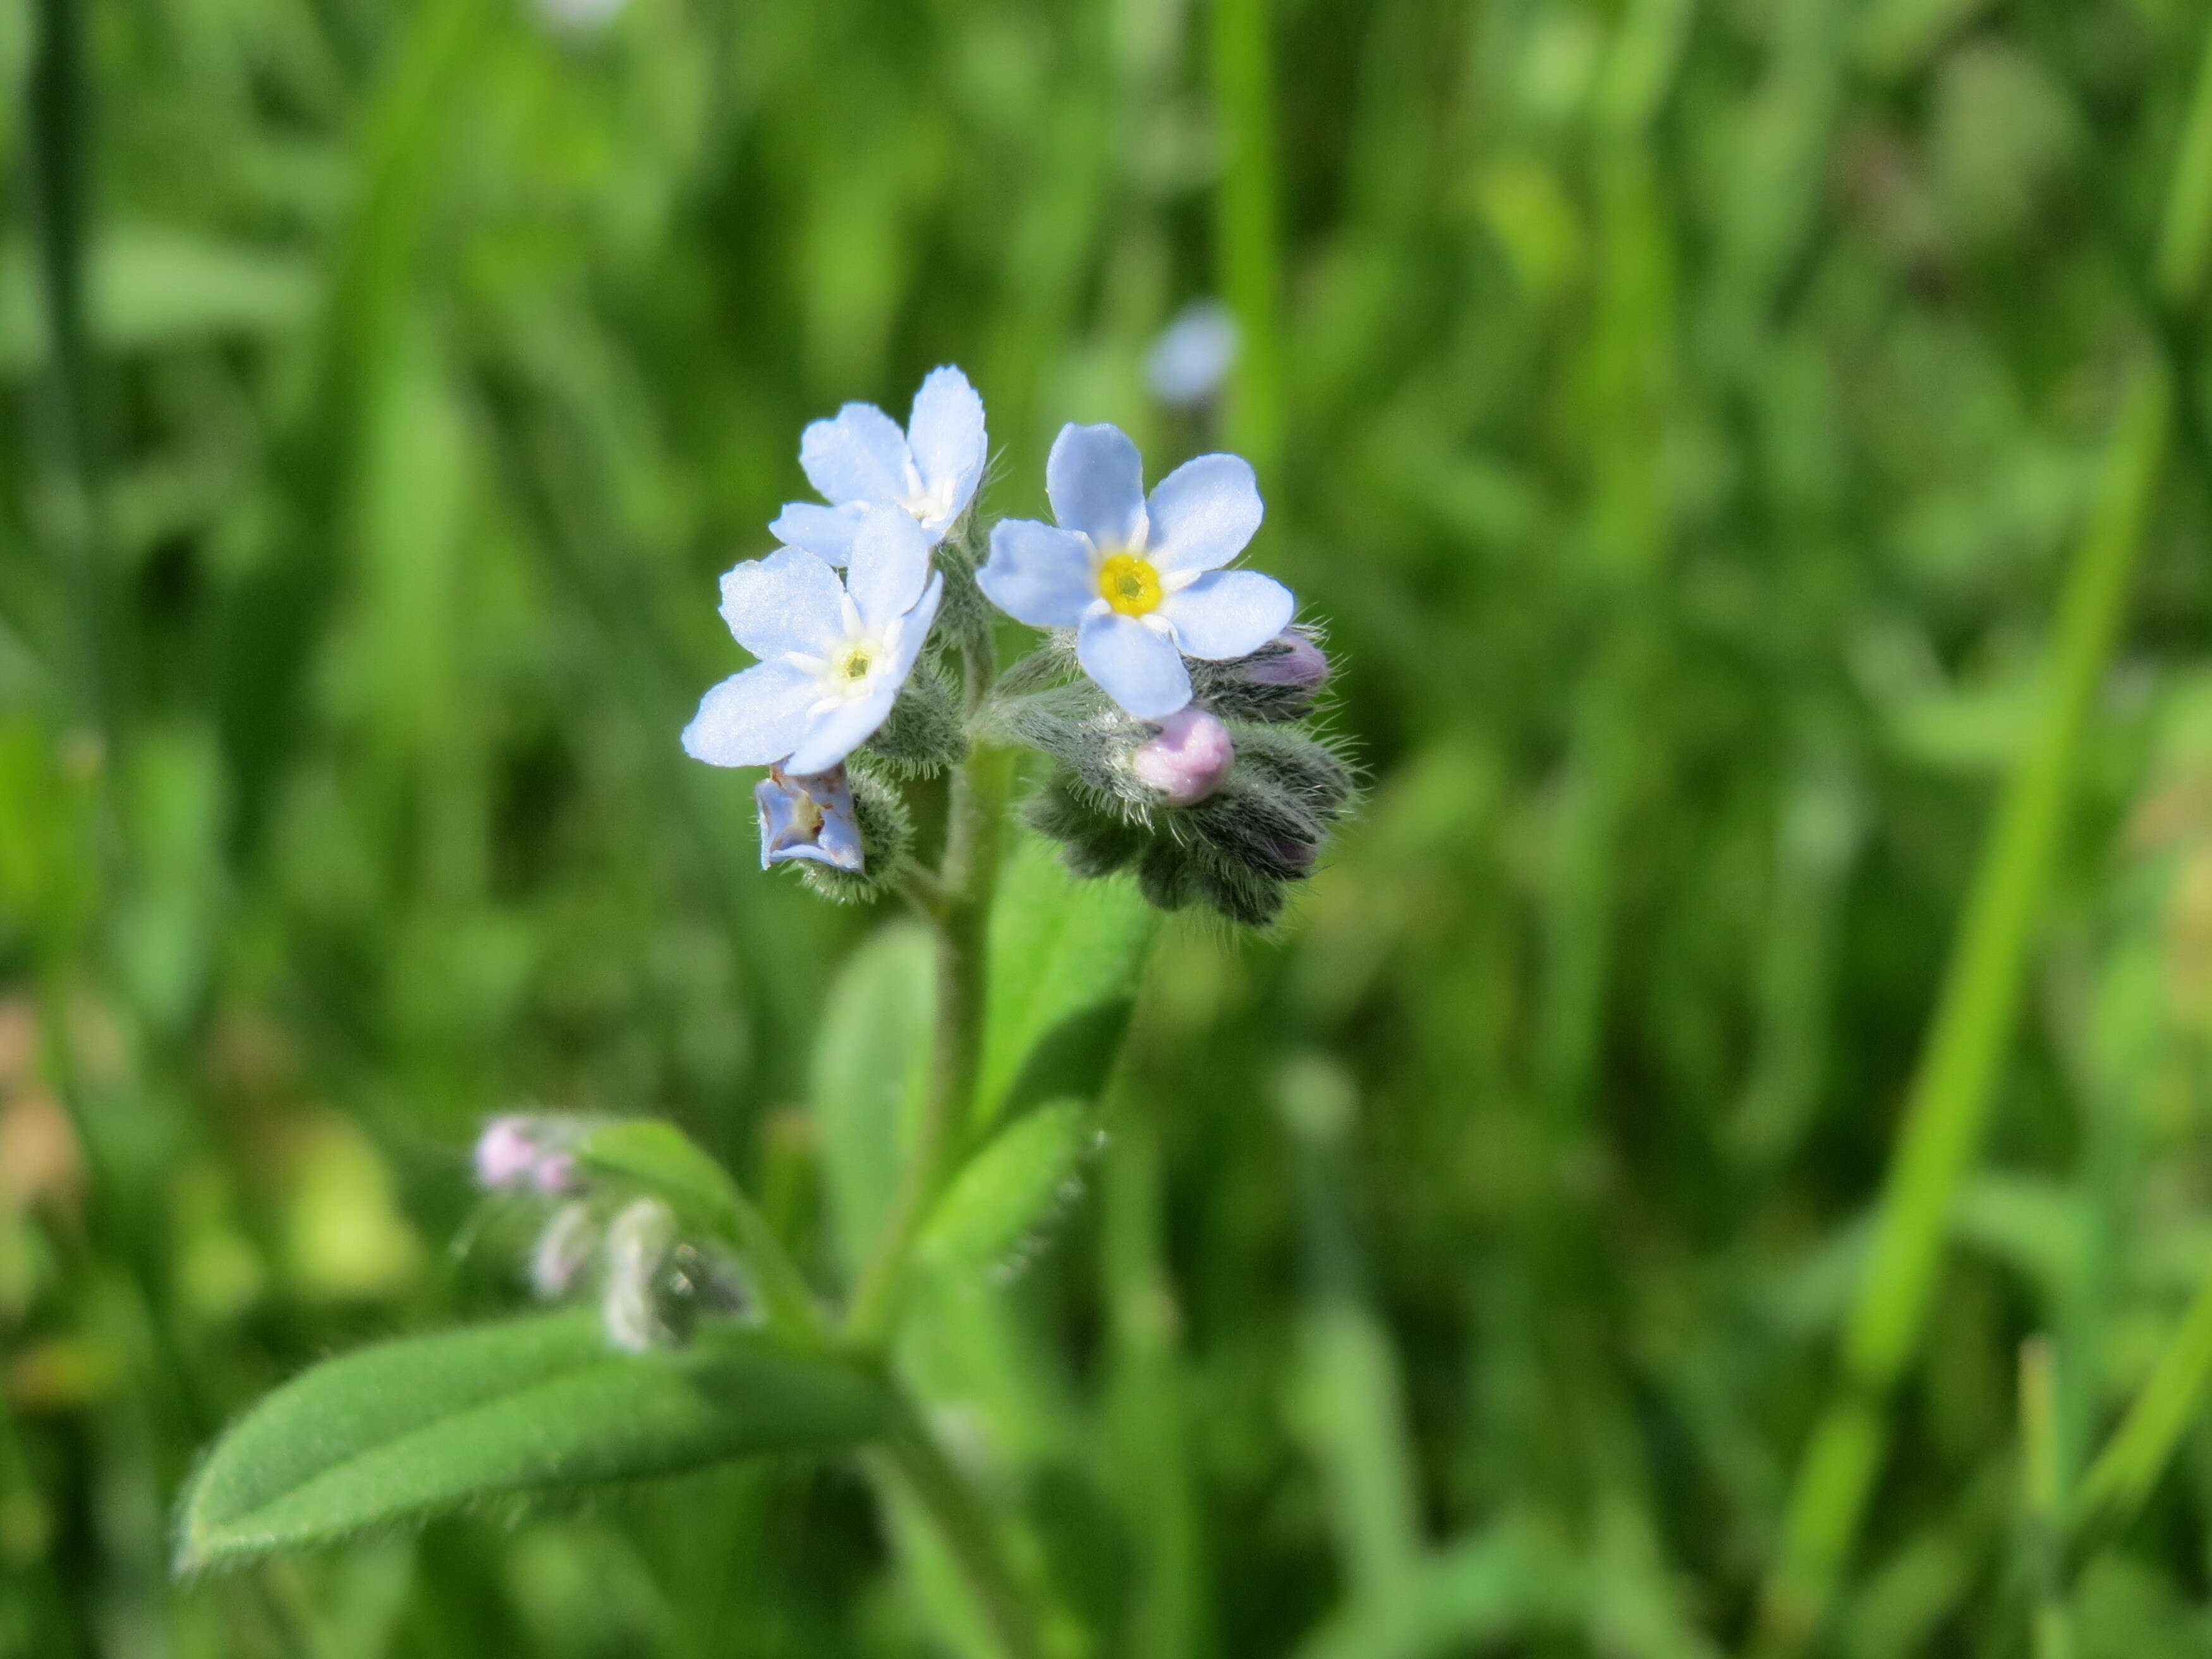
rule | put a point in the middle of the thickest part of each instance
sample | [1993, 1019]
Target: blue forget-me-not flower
[1193, 355]
[1140, 581]
[833, 654]
[860, 459]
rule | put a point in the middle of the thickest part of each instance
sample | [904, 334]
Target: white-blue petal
[1228, 613]
[859, 456]
[1038, 574]
[1138, 666]
[825, 531]
[945, 435]
[789, 601]
[1097, 483]
[914, 630]
[890, 564]
[752, 718]
[1203, 513]
[839, 730]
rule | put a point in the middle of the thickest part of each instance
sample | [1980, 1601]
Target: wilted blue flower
[833, 653]
[808, 817]
[1187, 362]
[860, 459]
[1139, 580]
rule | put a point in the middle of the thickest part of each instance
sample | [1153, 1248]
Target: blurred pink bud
[1189, 760]
[506, 1153]
[1289, 658]
[556, 1173]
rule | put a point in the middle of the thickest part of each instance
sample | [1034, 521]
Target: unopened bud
[507, 1153]
[562, 1250]
[1289, 658]
[639, 1240]
[1189, 760]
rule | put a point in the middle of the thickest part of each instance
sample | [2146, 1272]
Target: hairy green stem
[968, 1526]
[961, 915]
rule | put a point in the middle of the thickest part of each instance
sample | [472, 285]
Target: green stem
[961, 915]
[968, 1526]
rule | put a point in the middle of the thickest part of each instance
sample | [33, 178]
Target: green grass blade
[1247, 228]
[1970, 1035]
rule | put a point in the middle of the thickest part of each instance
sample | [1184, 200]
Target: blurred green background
[1683, 418]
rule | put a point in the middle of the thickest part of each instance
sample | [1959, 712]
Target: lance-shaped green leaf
[660, 1157]
[534, 1405]
[1065, 957]
[1008, 1188]
[870, 1059]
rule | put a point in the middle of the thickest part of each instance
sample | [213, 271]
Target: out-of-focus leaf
[153, 286]
[661, 1157]
[1008, 1188]
[2032, 1225]
[871, 1057]
[1065, 957]
[533, 1405]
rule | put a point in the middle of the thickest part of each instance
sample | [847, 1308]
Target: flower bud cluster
[1223, 804]
[650, 1281]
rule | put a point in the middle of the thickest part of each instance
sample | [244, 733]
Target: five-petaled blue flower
[833, 653]
[1140, 581]
[804, 817]
[862, 459]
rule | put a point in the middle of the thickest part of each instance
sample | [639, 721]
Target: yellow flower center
[1129, 584]
[852, 663]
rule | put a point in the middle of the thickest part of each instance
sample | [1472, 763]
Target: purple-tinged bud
[1289, 658]
[562, 1250]
[1189, 760]
[507, 1153]
[808, 817]
[556, 1173]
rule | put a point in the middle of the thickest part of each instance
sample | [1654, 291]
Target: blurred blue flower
[1193, 354]
[860, 458]
[1140, 581]
[833, 653]
[808, 817]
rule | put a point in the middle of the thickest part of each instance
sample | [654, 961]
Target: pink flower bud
[1189, 760]
[506, 1153]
